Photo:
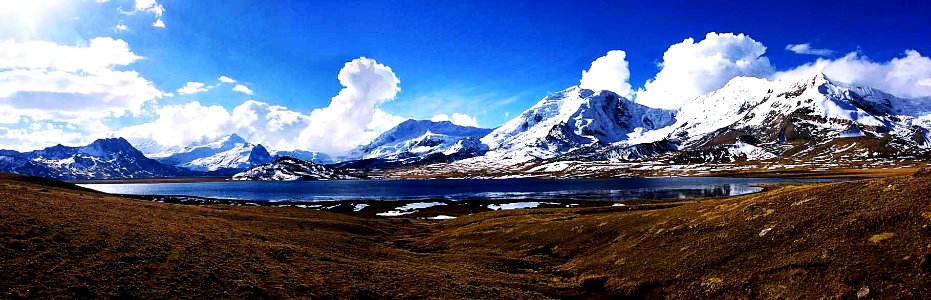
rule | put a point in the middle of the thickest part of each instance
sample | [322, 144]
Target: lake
[612, 189]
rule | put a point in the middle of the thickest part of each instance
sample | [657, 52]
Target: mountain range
[103, 159]
[810, 118]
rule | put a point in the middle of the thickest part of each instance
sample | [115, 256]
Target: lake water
[455, 189]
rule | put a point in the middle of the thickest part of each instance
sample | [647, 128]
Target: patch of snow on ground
[409, 209]
[515, 205]
[442, 217]
[359, 207]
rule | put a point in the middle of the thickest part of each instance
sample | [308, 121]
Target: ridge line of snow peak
[108, 158]
[286, 168]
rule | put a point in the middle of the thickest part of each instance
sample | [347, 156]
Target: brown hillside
[803, 241]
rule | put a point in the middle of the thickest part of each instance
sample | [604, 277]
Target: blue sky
[489, 60]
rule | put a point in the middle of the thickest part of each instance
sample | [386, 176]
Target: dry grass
[58, 241]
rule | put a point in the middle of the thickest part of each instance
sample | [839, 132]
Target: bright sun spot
[27, 12]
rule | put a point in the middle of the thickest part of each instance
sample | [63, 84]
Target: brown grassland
[867, 239]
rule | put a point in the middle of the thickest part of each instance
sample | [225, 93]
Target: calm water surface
[455, 189]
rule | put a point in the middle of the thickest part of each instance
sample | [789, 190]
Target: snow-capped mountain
[572, 119]
[103, 159]
[231, 153]
[153, 149]
[311, 156]
[288, 169]
[755, 118]
[419, 142]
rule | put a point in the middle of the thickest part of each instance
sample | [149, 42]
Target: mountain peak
[572, 118]
[235, 138]
[118, 143]
[259, 155]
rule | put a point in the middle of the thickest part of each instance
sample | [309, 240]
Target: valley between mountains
[750, 125]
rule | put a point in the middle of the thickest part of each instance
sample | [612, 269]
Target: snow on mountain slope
[571, 119]
[417, 141]
[232, 152]
[102, 159]
[289, 169]
[311, 156]
[805, 116]
[153, 149]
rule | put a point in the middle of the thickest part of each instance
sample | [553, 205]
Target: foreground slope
[67, 242]
[833, 240]
[798, 242]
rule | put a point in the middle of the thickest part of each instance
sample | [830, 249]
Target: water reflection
[469, 189]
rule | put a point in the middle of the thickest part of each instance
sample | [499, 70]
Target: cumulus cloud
[48, 81]
[99, 54]
[383, 121]
[258, 122]
[152, 7]
[344, 123]
[121, 28]
[908, 76]
[271, 125]
[456, 118]
[226, 79]
[37, 137]
[192, 87]
[609, 72]
[690, 69]
[181, 125]
[242, 89]
[808, 50]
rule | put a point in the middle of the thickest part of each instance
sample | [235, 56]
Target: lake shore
[791, 241]
[751, 173]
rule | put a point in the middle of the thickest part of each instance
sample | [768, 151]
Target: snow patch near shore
[516, 205]
[409, 209]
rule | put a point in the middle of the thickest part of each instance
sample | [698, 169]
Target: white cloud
[908, 76]
[609, 72]
[8, 115]
[152, 7]
[690, 69]
[99, 54]
[242, 89]
[192, 87]
[47, 81]
[180, 125]
[344, 123]
[383, 121]
[456, 118]
[258, 122]
[225, 79]
[271, 125]
[27, 139]
[121, 27]
[808, 50]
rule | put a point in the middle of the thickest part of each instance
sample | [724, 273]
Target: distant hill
[110, 158]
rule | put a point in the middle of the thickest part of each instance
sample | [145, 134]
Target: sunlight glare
[28, 12]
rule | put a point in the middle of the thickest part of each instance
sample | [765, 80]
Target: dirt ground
[848, 240]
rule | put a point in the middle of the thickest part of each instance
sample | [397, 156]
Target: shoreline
[757, 173]
[436, 207]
